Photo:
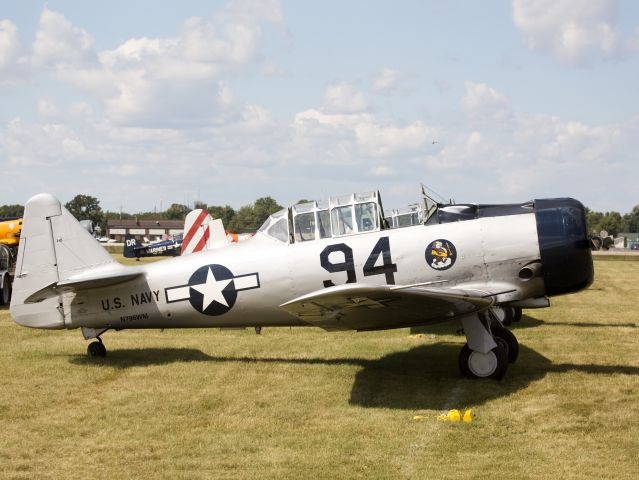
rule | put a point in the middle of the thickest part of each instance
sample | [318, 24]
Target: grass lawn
[302, 403]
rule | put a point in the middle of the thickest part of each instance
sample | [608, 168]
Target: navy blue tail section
[130, 246]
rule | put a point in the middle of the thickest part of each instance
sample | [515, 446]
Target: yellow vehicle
[10, 231]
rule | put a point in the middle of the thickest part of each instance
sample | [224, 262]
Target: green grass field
[302, 403]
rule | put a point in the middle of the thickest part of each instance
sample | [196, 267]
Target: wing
[375, 307]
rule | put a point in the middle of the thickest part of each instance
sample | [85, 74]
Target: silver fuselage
[490, 252]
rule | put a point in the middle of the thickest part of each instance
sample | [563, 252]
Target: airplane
[201, 232]
[10, 229]
[164, 248]
[330, 264]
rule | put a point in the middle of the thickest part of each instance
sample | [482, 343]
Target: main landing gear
[490, 347]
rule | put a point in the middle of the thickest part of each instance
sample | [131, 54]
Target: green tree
[176, 211]
[251, 217]
[86, 207]
[631, 220]
[612, 223]
[117, 215]
[264, 207]
[225, 213]
[7, 211]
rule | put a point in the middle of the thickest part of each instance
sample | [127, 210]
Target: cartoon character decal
[440, 254]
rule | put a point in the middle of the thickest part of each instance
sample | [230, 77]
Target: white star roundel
[212, 289]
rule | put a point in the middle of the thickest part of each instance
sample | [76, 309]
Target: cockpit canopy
[362, 212]
[335, 217]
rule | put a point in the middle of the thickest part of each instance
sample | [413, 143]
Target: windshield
[276, 226]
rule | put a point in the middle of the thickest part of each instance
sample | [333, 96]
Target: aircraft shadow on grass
[424, 377]
[527, 321]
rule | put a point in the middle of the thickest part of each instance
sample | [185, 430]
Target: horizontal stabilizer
[81, 283]
[374, 307]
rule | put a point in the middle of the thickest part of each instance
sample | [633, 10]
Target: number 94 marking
[382, 247]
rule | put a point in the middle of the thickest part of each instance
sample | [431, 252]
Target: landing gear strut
[96, 349]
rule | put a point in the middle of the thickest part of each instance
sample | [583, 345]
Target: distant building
[629, 237]
[144, 230]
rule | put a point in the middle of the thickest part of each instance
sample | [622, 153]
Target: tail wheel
[474, 364]
[507, 340]
[96, 349]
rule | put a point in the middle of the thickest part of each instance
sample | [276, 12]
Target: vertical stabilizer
[130, 244]
[217, 236]
[196, 231]
[53, 247]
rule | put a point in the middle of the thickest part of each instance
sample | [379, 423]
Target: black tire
[5, 294]
[96, 349]
[506, 339]
[505, 315]
[491, 365]
[518, 313]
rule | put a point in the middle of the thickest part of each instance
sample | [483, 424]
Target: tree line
[250, 217]
[86, 207]
[613, 222]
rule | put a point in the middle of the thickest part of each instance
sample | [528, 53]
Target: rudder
[53, 247]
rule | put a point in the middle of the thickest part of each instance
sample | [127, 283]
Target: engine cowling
[564, 245]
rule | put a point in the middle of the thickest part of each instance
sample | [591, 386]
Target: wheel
[474, 364]
[518, 312]
[505, 315]
[507, 340]
[5, 294]
[96, 349]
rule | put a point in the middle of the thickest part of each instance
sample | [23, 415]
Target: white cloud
[26, 144]
[13, 65]
[155, 118]
[384, 140]
[573, 30]
[369, 135]
[344, 118]
[59, 43]
[47, 108]
[473, 143]
[380, 171]
[537, 153]
[160, 82]
[483, 103]
[489, 161]
[9, 44]
[480, 97]
[387, 81]
[342, 98]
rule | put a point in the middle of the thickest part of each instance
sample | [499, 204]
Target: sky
[144, 104]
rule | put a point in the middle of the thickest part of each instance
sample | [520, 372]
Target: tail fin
[217, 234]
[53, 248]
[130, 244]
[196, 231]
